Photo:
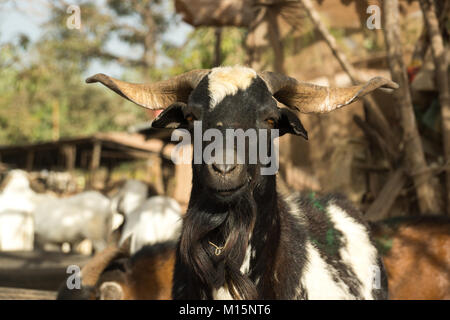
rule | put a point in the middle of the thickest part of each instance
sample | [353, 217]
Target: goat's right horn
[310, 98]
[158, 95]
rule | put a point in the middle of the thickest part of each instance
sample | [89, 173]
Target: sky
[25, 16]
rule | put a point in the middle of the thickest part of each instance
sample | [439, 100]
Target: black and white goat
[241, 239]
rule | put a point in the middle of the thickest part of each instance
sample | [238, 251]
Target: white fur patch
[225, 81]
[245, 268]
[358, 253]
[318, 279]
[294, 209]
[222, 294]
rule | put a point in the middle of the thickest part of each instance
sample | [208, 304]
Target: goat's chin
[228, 196]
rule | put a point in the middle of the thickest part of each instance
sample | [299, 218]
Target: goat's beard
[228, 225]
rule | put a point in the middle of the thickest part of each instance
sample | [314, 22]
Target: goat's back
[341, 260]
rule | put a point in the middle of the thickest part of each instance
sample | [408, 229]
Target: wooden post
[30, 160]
[183, 182]
[55, 121]
[442, 81]
[95, 161]
[426, 186]
[154, 173]
[70, 156]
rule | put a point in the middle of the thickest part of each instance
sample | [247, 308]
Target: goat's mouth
[229, 191]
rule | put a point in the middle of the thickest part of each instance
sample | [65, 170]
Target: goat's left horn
[158, 95]
[310, 98]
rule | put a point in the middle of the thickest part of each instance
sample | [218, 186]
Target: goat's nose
[223, 168]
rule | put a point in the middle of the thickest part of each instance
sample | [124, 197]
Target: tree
[441, 66]
[42, 90]
[426, 186]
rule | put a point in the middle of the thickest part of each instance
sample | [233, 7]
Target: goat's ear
[290, 123]
[172, 117]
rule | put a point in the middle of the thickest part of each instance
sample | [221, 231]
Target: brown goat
[416, 254]
[114, 275]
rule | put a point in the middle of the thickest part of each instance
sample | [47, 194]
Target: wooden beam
[25, 294]
[380, 208]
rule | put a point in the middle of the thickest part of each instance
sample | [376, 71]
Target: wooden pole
[30, 160]
[426, 187]
[442, 81]
[70, 157]
[25, 294]
[95, 161]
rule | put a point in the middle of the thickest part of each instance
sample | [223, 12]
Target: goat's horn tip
[99, 77]
[393, 85]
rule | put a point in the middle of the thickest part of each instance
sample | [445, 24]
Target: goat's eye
[270, 122]
[190, 118]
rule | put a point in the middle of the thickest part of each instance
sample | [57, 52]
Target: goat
[87, 215]
[158, 219]
[17, 194]
[240, 238]
[16, 231]
[130, 196]
[17, 202]
[115, 275]
[416, 254]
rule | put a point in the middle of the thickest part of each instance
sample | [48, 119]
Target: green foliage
[198, 50]
[42, 90]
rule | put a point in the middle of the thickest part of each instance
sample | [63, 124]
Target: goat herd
[85, 221]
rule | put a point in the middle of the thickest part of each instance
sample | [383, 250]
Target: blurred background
[388, 153]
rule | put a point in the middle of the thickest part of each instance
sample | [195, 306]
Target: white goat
[158, 219]
[17, 202]
[16, 231]
[17, 194]
[83, 216]
[130, 196]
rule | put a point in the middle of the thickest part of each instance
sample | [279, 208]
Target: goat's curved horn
[310, 98]
[158, 95]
